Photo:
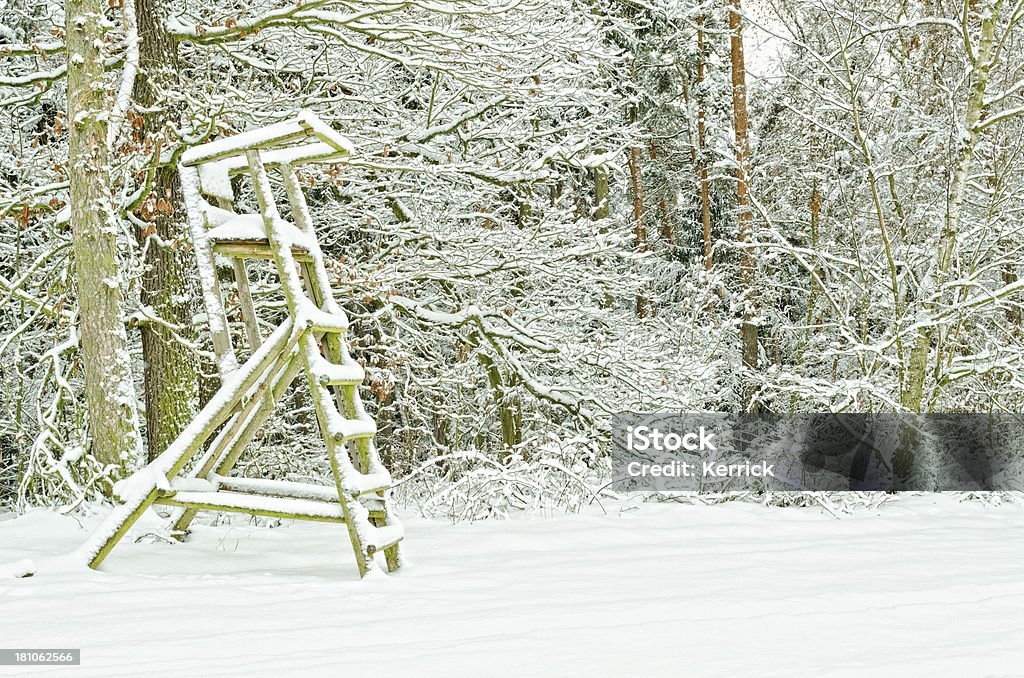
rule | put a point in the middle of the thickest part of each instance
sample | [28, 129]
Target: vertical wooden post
[212, 300]
[252, 327]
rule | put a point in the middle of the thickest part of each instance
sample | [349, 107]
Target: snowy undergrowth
[552, 477]
[567, 475]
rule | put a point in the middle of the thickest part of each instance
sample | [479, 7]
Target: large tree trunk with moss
[167, 284]
[745, 218]
[109, 389]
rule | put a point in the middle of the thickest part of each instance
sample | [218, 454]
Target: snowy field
[925, 586]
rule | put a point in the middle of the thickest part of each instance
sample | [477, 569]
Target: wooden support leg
[226, 361]
[391, 556]
[234, 452]
[125, 516]
[334, 449]
[252, 328]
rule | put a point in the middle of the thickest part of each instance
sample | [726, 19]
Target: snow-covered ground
[925, 586]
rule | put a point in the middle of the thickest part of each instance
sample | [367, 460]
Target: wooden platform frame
[194, 473]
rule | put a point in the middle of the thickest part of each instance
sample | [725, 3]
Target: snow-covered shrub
[552, 476]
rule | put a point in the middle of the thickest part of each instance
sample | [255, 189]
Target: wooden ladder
[194, 475]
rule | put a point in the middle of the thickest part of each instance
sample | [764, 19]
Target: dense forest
[556, 211]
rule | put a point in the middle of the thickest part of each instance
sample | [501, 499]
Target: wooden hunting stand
[194, 475]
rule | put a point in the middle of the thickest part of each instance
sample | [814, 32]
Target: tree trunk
[917, 367]
[639, 232]
[636, 185]
[745, 218]
[109, 389]
[601, 204]
[667, 230]
[637, 191]
[705, 192]
[510, 413]
[168, 287]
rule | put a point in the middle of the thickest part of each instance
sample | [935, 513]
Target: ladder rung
[277, 488]
[350, 429]
[331, 374]
[321, 321]
[262, 505]
[360, 494]
[386, 537]
[342, 428]
[358, 484]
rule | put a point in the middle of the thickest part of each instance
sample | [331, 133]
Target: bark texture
[168, 286]
[912, 396]
[601, 201]
[109, 390]
[745, 217]
[705, 191]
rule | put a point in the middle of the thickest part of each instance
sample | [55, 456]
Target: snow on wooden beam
[274, 507]
[305, 125]
[215, 177]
